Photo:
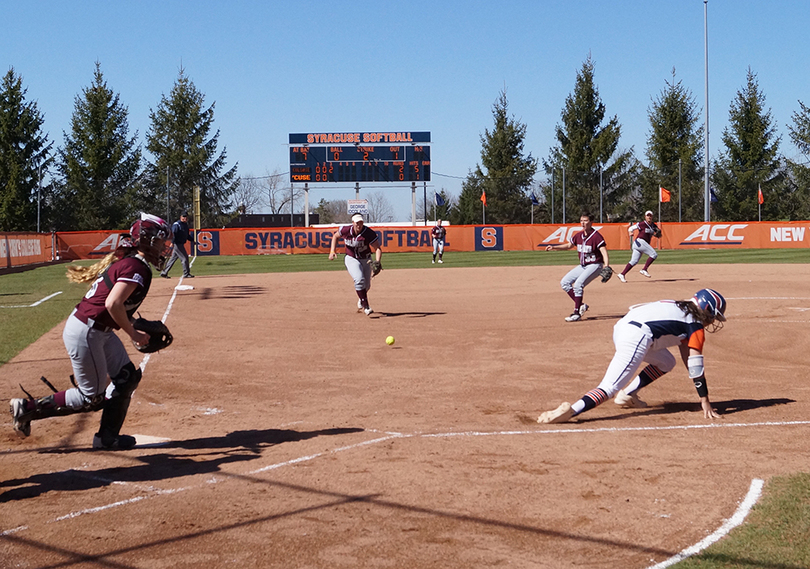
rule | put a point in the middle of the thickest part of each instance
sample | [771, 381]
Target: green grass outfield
[776, 532]
[306, 263]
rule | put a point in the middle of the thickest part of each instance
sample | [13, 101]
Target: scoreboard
[315, 161]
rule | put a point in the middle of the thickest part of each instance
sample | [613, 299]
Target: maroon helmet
[152, 236]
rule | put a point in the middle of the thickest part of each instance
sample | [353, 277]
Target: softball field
[279, 429]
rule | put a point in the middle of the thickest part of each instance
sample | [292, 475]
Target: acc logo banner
[716, 234]
[488, 238]
[208, 243]
[108, 245]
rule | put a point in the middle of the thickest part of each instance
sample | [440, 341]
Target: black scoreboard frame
[360, 157]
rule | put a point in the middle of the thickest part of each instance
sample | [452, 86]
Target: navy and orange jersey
[128, 270]
[668, 324]
[438, 232]
[357, 246]
[588, 247]
[646, 230]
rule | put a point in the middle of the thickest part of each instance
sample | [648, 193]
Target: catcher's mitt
[657, 233]
[606, 273]
[159, 335]
[376, 267]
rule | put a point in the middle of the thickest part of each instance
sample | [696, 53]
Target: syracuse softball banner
[316, 240]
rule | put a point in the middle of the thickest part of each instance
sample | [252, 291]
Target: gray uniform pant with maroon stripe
[580, 276]
[360, 271]
[95, 355]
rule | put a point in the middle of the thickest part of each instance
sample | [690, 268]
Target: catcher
[104, 376]
[641, 245]
[360, 241]
[593, 262]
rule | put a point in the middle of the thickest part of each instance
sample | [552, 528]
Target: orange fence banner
[411, 239]
[18, 249]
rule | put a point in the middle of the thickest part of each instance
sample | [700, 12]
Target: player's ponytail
[702, 316]
[77, 274]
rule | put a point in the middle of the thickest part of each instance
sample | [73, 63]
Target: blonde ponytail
[77, 274]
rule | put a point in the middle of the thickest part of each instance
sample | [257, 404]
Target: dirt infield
[281, 430]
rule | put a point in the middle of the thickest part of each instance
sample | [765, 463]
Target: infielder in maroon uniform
[105, 377]
[438, 232]
[361, 242]
[593, 255]
[641, 245]
[644, 336]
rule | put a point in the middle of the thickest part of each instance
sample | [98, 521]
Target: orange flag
[484, 198]
[760, 199]
[663, 196]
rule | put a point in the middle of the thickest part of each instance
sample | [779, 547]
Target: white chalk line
[391, 436]
[754, 492]
[617, 429]
[37, 303]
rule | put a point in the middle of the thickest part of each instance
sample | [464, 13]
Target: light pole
[39, 190]
[706, 190]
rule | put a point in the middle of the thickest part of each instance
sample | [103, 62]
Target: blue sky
[275, 68]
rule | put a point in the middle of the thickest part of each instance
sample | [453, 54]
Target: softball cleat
[20, 423]
[628, 400]
[561, 414]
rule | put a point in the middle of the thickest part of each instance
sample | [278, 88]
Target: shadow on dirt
[238, 446]
[723, 407]
[408, 314]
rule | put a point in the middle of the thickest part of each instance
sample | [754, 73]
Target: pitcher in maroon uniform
[361, 242]
[104, 376]
[593, 255]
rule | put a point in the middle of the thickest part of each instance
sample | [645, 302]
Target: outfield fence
[29, 248]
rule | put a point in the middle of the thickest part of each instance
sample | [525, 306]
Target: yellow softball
[389, 340]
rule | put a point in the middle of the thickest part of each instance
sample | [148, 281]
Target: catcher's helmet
[712, 302]
[152, 236]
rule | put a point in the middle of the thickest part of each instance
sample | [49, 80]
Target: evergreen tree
[674, 147]
[586, 149]
[24, 155]
[507, 174]
[185, 150]
[469, 209]
[750, 160]
[797, 202]
[99, 164]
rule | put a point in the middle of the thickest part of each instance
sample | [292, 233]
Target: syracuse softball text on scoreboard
[360, 157]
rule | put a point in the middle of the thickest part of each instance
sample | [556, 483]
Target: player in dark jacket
[180, 236]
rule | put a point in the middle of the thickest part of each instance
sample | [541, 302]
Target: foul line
[617, 429]
[37, 303]
[754, 492]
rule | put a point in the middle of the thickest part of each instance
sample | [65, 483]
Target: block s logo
[208, 243]
[489, 238]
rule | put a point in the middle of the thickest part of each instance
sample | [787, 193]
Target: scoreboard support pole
[306, 204]
[357, 190]
[413, 203]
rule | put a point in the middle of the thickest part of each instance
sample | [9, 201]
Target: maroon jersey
[128, 270]
[438, 232]
[645, 230]
[588, 247]
[357, 246]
